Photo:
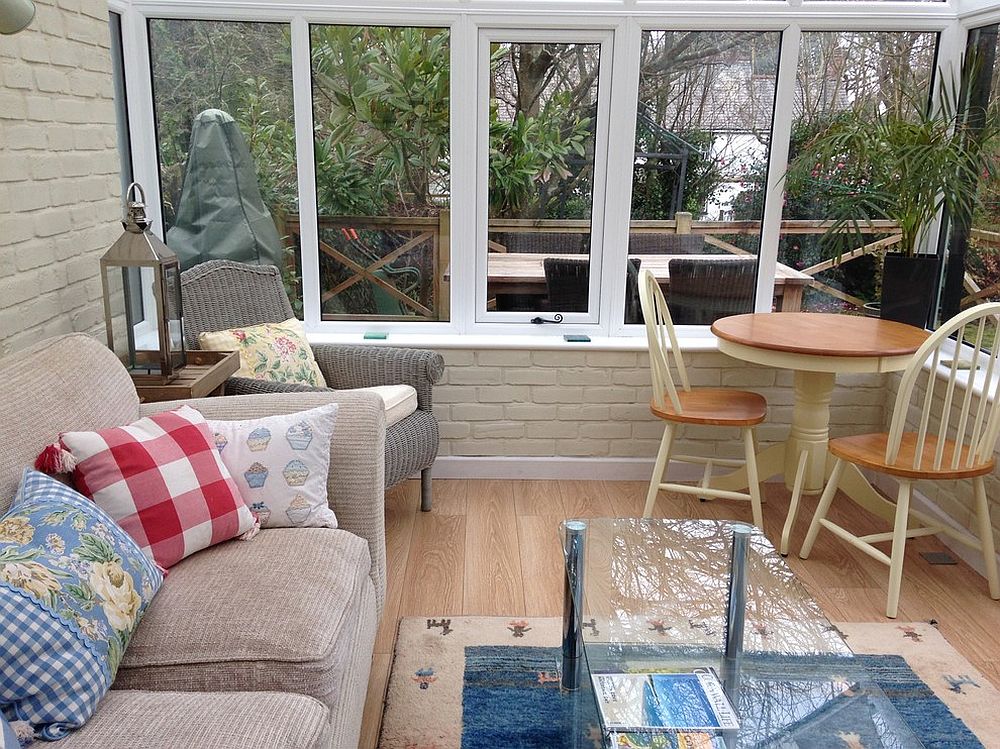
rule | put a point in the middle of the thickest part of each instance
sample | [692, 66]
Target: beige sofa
[265, 643]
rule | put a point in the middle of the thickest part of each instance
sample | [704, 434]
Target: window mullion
[464, 139]
[306, 170]
[621, 153]
[781, 132]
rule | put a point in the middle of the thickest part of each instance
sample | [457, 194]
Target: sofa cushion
[163, 481]
[278, 613]
[399, 401]
[130, 719]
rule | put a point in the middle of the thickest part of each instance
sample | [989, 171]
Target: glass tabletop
[654, 599]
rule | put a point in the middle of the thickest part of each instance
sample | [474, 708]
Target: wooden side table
[204, 374]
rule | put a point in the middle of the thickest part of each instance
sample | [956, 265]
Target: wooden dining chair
[722, 407]
[931, 437]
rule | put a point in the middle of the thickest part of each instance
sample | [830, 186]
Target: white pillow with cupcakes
[281, 465]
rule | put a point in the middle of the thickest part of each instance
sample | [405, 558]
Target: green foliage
[531, 153]
[653, 189]
[381, 108]
[903, 166]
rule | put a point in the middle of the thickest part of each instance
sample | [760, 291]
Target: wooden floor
[491, 548]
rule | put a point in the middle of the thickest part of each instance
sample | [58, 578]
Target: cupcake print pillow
[281, 465]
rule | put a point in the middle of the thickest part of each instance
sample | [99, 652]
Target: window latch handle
[556, 318]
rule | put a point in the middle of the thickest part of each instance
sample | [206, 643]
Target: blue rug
[511, 700]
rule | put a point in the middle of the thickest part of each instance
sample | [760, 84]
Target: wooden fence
[432, 234]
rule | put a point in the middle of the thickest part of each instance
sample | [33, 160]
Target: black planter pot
[908, 285]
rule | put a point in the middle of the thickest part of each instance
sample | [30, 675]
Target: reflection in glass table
[648, 595]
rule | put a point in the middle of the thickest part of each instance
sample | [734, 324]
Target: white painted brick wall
[580, 404]
[59, 172]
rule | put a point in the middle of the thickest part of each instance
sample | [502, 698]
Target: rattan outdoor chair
[568, 284]
[221, 294]
[703, 289]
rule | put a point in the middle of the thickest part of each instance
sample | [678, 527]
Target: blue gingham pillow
[73, 587]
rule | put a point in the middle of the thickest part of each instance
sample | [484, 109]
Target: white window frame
[621, 20]
[605, 41]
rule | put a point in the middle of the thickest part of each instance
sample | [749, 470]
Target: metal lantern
[138, 273]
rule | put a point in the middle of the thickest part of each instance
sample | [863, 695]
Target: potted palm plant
[903, 165]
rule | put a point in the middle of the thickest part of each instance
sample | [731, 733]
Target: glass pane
[222, 92]
[703, 134]
[543, 126]
[842, 79]
[973, 270]
[654, 600]
[381, 113]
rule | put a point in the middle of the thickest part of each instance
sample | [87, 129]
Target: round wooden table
[816, 347]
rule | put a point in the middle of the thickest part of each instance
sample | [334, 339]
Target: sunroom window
[445, 171]
[842, 75]
[381, 117]
[545, 153]
[222, 96]
[703, 133]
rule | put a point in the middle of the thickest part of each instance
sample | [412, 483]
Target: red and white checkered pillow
[162, 480]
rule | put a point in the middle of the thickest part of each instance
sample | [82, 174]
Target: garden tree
[841, 73]
[381, 112]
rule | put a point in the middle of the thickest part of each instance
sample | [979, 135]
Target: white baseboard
[516, 467]
[557, 468]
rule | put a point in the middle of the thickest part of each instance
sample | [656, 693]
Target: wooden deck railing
[432, 233]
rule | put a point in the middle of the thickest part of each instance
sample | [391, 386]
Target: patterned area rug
[490, 682]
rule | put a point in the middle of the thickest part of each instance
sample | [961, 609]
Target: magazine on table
[691, 701]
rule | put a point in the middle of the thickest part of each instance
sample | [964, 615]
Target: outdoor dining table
[524, 273]
[816, 347]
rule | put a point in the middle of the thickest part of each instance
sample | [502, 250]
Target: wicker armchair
[221, 294]
[703, 289]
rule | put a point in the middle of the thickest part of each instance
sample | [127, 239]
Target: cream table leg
[770, 462]
[810, 430]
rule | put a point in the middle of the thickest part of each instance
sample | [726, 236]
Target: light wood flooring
[491, 548]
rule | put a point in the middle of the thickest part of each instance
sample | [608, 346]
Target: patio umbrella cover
[221, 215]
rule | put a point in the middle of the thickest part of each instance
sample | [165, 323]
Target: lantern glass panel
[174, 314]
[121, 289]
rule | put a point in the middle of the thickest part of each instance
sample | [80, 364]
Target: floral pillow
[73, 587]
[273, 351]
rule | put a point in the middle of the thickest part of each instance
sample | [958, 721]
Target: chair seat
[869, 450]
[716, 406]
[399, 401]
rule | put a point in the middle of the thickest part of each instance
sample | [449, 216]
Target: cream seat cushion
[399, 401]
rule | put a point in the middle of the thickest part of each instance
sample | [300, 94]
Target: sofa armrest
[356, 487]
[346, 367]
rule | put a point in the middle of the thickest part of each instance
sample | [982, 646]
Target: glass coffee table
[651, 595]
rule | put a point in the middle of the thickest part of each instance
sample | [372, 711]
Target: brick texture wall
[595, 404]
[59, 172]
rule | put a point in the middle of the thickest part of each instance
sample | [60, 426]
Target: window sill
[693, 341]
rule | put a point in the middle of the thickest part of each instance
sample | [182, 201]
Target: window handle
[556, 318]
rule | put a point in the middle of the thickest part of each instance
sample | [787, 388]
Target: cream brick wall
[595, 404]
[59, 172]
